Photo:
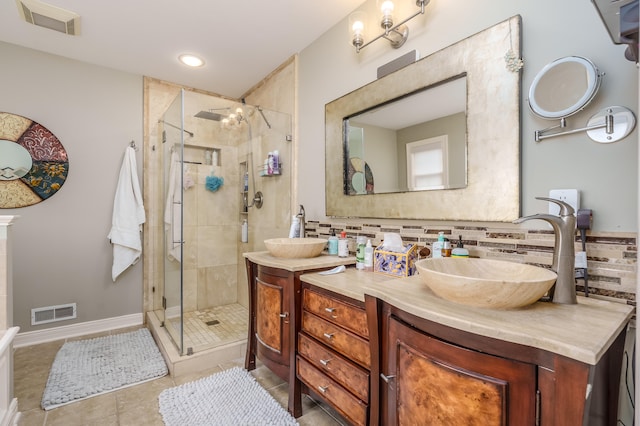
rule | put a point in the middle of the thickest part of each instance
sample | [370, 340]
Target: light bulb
[386, 7]
[356, 28]
[191, 60]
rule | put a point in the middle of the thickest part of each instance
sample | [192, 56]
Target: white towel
[173, 210]
[128, 217]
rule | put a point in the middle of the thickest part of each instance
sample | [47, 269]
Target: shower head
[208, 115]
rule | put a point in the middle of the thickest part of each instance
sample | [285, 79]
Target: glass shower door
[172, 151]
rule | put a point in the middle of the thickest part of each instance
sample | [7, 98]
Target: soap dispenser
[460, 251]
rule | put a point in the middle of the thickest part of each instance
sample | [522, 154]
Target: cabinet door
[272, 320]
[431, 382]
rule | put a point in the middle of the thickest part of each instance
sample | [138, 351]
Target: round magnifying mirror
[15, 160]
[564, 87]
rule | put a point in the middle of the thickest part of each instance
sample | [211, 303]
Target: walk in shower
[213, 163]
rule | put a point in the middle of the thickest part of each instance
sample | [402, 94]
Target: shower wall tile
[190, 247]
[217, 245]
[190, 289]
[217, 286]
[219, 207]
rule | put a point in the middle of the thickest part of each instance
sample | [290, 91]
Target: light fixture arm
[396, 34]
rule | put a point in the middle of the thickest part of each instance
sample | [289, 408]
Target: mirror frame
[49, 168]
[493, 133]
[594, 78]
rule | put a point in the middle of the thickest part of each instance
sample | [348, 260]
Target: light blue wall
[61, 251]
[605, 174]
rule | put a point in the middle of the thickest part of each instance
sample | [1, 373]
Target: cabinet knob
[284, 314]
[328, 335]
[323, 389]
[330, 310]
[387, 378]
[325, 362]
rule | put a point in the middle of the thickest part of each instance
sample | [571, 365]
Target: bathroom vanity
[545, 364]
[274, 309]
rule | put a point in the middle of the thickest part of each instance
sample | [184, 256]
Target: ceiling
[240, 41]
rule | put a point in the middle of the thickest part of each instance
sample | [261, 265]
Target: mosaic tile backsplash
[611, 256]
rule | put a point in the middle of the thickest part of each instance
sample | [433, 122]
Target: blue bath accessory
[213, 183]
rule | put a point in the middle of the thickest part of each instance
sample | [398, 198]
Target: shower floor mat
[91, 367]
[215, 326]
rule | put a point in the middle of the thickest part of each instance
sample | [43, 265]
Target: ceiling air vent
[45, 15]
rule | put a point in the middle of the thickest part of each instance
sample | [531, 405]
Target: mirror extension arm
[617, 123]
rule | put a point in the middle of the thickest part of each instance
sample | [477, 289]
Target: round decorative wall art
[33, 163]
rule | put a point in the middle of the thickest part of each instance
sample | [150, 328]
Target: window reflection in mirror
[413, 143]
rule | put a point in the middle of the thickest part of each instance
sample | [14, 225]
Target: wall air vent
[47, 16]
[53, 313]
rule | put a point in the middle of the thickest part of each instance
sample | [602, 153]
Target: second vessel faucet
[564, 255]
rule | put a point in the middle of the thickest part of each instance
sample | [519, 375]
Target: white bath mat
[91, 367]
[231, 397]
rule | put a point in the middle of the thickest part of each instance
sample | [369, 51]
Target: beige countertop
[351, 283]
[582, 332]
[294, 265]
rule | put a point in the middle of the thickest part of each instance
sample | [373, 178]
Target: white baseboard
[90, 327]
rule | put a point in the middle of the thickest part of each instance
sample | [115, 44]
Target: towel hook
[132, 144]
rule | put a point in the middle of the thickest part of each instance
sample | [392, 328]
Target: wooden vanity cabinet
[334, 356]
[427, 378]
[434, 375]
[274, 315]
[272, 325]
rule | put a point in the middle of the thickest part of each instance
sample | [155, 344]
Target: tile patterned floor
[133, 406]
[207, 328]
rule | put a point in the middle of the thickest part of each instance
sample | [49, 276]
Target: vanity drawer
[349, 375]
[348, 405]
[350, 345]
[348, 316]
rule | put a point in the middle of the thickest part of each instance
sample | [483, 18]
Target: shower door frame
[176, 334]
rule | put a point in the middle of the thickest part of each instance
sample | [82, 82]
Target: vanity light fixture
[396, 34]
[191, 60]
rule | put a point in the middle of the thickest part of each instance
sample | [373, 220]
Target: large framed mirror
[491, 188]
[415, 143]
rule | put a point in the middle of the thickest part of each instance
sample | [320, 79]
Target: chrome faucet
[303, 222]
[564, 255]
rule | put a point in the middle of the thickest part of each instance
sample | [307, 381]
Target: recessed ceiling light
[191, 60]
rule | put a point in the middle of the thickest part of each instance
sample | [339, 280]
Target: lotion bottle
[368, 256]
[343, 245]
[360, 246]
[245, 231]
[294, 231]
[333, 243]
[436, 249]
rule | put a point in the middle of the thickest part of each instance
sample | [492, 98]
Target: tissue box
[394, 263]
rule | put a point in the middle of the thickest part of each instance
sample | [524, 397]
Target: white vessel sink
[295, 248]
[486, 283]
